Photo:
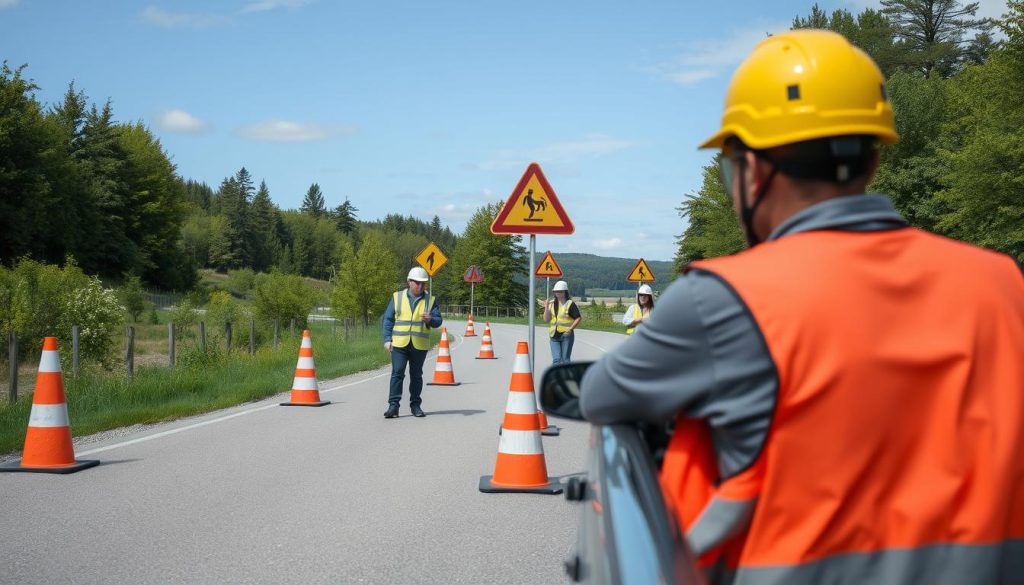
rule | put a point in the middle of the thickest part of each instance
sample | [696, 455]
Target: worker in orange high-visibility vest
[849, 391]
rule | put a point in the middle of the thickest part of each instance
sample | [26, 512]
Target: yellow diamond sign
[431, 258]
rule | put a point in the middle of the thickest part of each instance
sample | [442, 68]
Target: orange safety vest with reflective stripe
[638, 313]
[409, 324]
[896, 451]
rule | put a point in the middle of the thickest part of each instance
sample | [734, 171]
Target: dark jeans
[400, 356]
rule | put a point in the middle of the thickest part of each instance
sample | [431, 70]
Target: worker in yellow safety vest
[563, 316]
[638, 312]
[407, 322]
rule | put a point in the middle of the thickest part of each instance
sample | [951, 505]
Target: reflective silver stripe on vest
[719, 520]
[963, 564]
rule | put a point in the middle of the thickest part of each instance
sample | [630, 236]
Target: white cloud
[8, 4]
[704, 59]
[609, 244]
[592, 145]
[265, 5]
[285, 131]
[179, 121]
[160, 17]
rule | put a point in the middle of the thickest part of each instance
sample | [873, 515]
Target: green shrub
[133, 298]
[283, 297]
[241, 282]
[39, 300]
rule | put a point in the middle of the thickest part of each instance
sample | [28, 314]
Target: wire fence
[482, 311]
[162, 345]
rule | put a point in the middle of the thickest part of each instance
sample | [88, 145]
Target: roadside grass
[100, 400]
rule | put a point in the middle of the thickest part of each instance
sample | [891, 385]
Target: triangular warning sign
[548, 267]
[641, 273]
[532, 208]
[473, 274]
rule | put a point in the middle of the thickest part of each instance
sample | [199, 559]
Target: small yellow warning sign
[548, 267]
[641, 273]
[431, 258]
[532, 208]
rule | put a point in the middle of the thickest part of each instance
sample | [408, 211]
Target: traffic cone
[305, 391]
[520, 466]
[444, 375]
[469, 327]
[546, 429]
[486, 349]
[48, 446]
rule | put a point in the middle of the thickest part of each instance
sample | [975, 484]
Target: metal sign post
[472, 289]
[533, 305]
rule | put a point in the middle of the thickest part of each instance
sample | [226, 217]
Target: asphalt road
[268, 494]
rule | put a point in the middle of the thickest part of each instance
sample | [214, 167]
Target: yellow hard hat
[802, 85]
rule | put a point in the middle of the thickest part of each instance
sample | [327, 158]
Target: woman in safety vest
[848, 393]
[639, 311]
[563, 316]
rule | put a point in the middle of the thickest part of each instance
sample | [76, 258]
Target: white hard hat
[644, 290]
[561, 285]
[418, 274]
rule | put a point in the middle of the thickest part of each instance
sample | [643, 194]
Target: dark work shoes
[417, 411]
[391, 412]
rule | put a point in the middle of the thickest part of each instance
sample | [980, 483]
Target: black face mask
[746, 212]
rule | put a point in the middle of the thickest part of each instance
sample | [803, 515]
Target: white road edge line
[593, 345]
[214, 420]
[228, 417]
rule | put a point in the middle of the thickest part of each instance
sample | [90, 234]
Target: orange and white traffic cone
[48, 447]
[444, 375]
[521, 466]
[486, 349]
[305, 391]
[469, 327]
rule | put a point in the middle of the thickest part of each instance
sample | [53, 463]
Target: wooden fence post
[227, 333]
[170, 344]
[130, 357]
[75, 331]
[277, 324]
[12, 347]
[202, 335]
[252, 337]
[346, 329]
[291, 330]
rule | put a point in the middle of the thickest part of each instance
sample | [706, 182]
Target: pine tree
[313, 204]
[345, 216]
[263, 230]
[933, 33]
[712, 228]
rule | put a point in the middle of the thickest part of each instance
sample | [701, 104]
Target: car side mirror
[560, 390]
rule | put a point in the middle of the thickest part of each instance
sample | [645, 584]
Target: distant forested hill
[602, 272]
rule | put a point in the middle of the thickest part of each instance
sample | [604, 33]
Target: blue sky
[421, 108]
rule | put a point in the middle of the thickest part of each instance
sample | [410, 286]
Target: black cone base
[78, 465]
[488, 487]
[321, 403]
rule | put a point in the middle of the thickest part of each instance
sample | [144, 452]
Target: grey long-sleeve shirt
[700, 351]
